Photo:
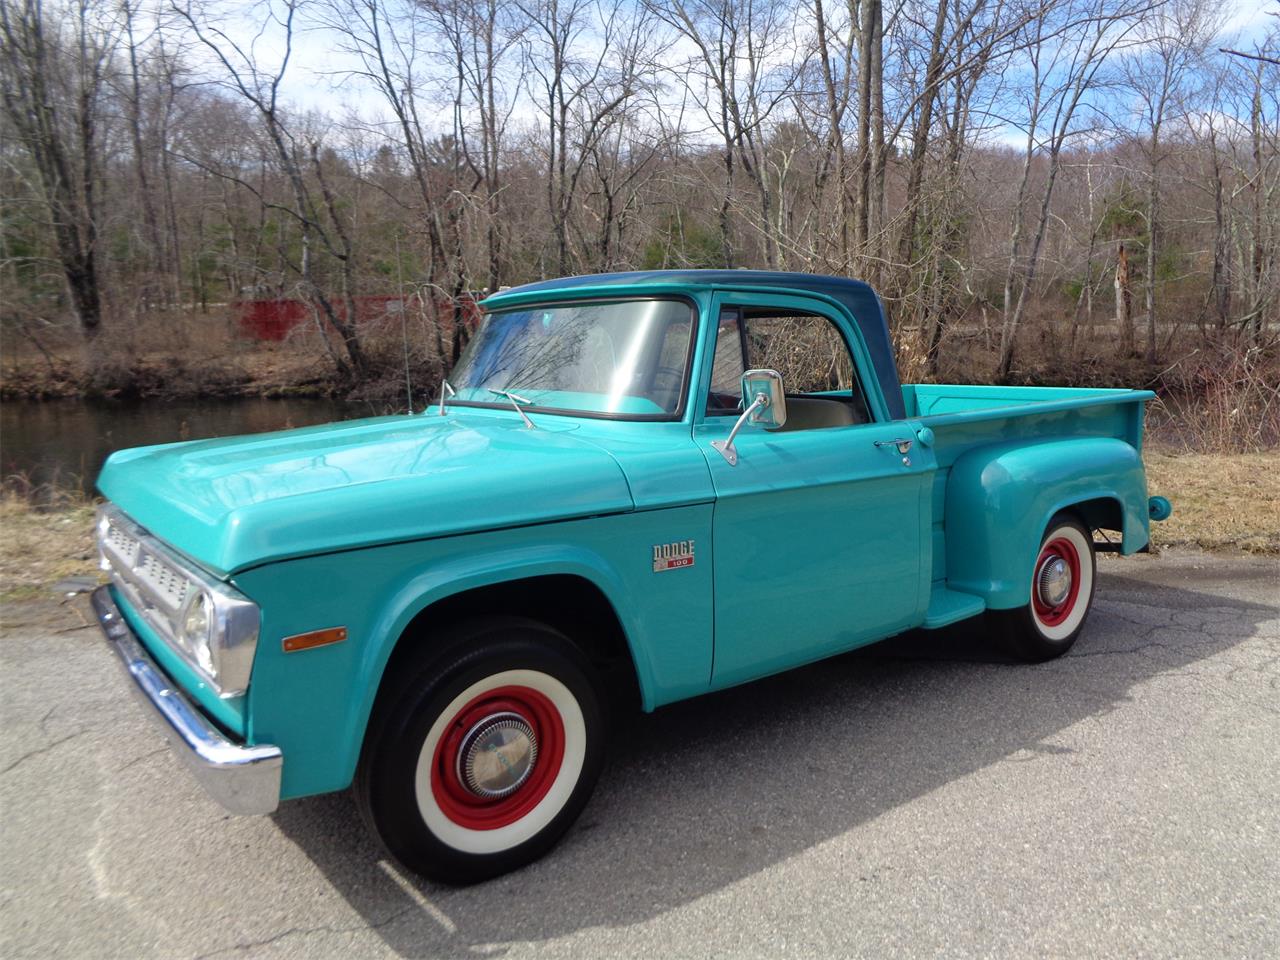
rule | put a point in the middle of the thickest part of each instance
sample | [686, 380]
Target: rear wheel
[481, 760]
[1062, 589]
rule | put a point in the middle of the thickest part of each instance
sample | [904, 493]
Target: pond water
[64, 442]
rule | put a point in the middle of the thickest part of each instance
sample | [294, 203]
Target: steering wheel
[724, 401]
[673, 373]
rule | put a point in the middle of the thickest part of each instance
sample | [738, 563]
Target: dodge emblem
[671, 556]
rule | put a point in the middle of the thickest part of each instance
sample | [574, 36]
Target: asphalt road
[918, 798]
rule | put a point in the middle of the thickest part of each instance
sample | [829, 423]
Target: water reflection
[64, 442]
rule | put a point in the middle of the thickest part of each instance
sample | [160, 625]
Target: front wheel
[483, 760]
[1062, 588]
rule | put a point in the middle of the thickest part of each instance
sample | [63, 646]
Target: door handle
[902, 443]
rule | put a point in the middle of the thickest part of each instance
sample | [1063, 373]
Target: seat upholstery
[810, 413]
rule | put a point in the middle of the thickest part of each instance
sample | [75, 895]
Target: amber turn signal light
[316, 638]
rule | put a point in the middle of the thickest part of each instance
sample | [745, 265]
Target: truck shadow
[705, 793]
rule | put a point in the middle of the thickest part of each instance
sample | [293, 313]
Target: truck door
[821, 530]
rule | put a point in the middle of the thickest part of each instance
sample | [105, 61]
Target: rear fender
[1000, 500]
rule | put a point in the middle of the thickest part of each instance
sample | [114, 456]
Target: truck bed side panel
[979, 424]
[1001, 498]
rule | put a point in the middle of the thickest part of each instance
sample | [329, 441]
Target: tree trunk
[876, 219]
[156, 253]
[862, 201]
[1153, 240]
[726, 204]
[920, 141]
[835, 136]
[1124, 302]
[1221, 283]
[1259, 250]
[66, 165]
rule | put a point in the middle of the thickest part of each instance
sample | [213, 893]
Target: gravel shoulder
[918, 797]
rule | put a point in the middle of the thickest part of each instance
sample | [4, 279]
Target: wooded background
[1069, 190]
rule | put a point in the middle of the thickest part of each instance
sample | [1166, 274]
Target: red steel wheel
[498, 758]
[1056, 585]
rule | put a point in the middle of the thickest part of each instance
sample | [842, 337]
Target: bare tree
[1172, 38]
[391, 45]
[1264, 140]
[1064, 71]
[259, 85]
[53, 70]
[735, 79]
[585, 61]
[482, 45]
[150, 155]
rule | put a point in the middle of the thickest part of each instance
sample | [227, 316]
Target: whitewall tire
[1062, 586]
[479, 759]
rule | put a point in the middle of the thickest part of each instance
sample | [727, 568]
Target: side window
[807, 349]
[727, 367]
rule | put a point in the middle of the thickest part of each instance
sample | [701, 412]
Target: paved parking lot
[917, 798]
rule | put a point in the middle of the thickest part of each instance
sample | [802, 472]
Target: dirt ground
[203, 356]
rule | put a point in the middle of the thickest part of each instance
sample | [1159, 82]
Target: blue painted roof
[855, 295]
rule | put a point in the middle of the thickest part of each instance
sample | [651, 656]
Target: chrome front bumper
[245, 780]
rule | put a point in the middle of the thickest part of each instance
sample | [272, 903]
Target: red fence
[273, 319]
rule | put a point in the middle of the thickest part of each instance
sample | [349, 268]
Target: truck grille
[124, 545]
[149, 576]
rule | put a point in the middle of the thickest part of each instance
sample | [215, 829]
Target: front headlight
[197, 631]
[218, 630]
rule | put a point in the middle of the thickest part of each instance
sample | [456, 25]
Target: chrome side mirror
[764, 402]
[772, 414]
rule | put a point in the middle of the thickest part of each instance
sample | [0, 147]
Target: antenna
[404, 328]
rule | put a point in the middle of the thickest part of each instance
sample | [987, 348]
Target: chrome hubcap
[497, 755]
[1053, 581]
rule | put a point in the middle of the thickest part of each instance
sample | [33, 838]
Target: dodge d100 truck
[634, 488]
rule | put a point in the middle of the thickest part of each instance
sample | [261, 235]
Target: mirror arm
[446, 389]
[726, 447]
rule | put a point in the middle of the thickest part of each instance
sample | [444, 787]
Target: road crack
[304, 932]
[39, 750]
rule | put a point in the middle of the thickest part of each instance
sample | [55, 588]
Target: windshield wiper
[445, 388]
[516, 400]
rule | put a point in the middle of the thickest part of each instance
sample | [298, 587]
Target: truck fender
[1000, 499]
[433, 584]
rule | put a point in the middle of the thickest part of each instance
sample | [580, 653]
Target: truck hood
[244, 501]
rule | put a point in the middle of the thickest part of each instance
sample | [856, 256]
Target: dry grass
[1219, 500]
[40, 547]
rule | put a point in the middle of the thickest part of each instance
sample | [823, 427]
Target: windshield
[626, 358]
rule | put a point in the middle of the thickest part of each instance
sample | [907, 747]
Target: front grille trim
[155, 585]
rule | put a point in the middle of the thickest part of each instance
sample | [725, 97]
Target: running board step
[948, 606]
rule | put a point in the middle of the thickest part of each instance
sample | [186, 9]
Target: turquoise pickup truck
[634, 488]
